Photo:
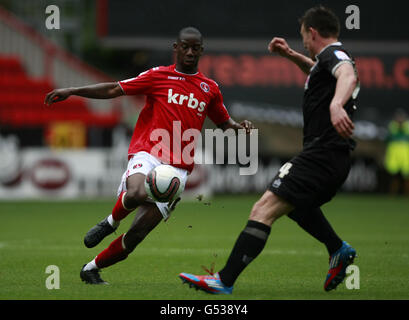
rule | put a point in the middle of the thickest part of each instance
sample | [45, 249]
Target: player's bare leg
[146, 219]
[269, 208]
[136, 194]
[126, 203]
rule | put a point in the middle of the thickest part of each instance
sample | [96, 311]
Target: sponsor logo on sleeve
[341, 55]
[205, 87]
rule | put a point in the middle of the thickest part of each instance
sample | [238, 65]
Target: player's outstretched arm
[280, 46]
[106, 90]
[231, 124]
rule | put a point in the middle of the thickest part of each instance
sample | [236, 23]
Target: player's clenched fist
[56, 96]
[341, 121]
[280, 46]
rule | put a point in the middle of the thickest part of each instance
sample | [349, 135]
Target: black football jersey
[319, 91]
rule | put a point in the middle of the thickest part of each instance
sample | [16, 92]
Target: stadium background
[60, 166]
[78, 148]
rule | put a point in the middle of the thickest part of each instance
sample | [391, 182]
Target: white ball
[164, 183]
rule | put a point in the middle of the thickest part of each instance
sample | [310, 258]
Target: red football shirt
[175, 109]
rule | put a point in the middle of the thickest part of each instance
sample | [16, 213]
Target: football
[164, 183]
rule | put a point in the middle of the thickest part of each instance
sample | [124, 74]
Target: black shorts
[312, 178]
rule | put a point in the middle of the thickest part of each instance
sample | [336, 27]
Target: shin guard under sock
[314, 222]
[114, 253]
[119, 211]
[249, 244]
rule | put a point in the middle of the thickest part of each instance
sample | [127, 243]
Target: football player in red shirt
[177, 96]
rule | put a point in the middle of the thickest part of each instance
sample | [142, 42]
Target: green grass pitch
[293, 265]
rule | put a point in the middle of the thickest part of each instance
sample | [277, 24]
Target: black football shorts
[312, 178]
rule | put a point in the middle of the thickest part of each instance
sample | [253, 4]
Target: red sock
[111, 255]
[119, 212]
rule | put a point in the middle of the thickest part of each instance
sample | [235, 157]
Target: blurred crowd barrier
[45, 173]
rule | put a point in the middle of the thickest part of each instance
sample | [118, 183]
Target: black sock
[314, 222]
[249, 244]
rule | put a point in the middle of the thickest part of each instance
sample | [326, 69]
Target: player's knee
[135, 196]
[268, 209]
[259, 212]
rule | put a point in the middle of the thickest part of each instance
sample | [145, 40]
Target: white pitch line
[189, 251]
[218, 251]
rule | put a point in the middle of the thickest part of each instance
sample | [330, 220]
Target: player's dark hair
[323, 20]
[190, 30]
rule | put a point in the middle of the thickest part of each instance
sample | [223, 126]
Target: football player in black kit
[313, 177]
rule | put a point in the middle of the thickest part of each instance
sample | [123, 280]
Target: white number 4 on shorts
[285, 169]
